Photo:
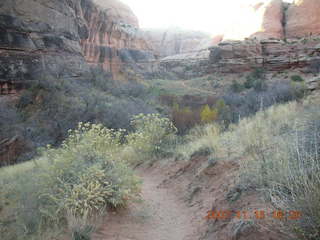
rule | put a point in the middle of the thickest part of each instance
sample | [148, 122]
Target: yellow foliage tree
[208, 115]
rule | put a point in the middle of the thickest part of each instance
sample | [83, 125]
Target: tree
[208, 115]
[236, 86]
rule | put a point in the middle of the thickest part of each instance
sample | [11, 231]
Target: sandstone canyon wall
[39, 38]
[272, 55]
[63, 37]
[303, 19]
[271, 34]
[168, 42]
[59, 37]
[275, 19]
[284, 36]
[114, 35]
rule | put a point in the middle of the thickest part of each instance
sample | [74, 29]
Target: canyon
[274, 35]
[287, 39]
[69, 63]
[65, 38]
[68, 40]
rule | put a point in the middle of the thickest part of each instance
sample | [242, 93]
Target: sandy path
[161, 216]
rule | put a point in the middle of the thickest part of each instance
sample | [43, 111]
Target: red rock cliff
[303, 19]
[288, 38]
[173, 41]
[114, 35]
[275, 19]
[60, 37]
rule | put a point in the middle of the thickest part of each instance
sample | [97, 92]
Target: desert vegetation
[113, 129]
[90, 135]
[278, 153]
[74, 184]
[241, 101]
[51, 106]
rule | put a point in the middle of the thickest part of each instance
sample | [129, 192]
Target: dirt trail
[161, 216]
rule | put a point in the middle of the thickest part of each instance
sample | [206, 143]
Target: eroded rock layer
[275, 19]
[272, 55]
[303, 19]
[39, 38]
[114, 35]
[272, 34]
[168, 42]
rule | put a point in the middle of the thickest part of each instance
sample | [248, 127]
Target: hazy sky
[205, 15]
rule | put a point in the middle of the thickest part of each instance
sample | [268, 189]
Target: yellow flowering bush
[151, 137]
[88, 173]
[75, 181]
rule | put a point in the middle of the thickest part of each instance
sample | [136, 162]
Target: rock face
[303, 18]
[187, 65]
[114, 35]
[273, 35]
[63, 38]
[40, 38]
[173, 41]
[272, 23]
[272, 55]
[275, 19]
[58, 37]
[118, 11]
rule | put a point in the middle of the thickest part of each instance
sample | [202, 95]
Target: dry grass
[90, 171]
[278, 152]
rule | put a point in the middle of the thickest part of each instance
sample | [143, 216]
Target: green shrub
[185, 118]
[236, 86]
[260, 85]
[256, 84]
[297, 78]
[87, 172]
[283, 150]
[258, 73]
[82, 177]
[279, 152]
[298, 89]
[49, 107]
[152, 136]
[249, 83]
[203, 151]
[210, 78]
[256, 80]
[200, 141]
[81, 228]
